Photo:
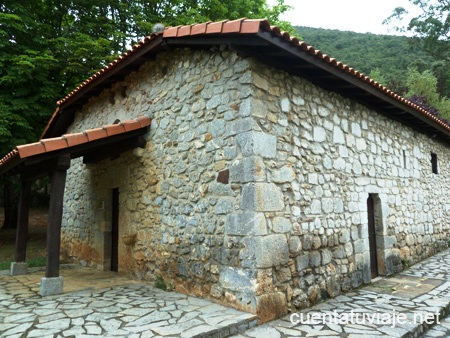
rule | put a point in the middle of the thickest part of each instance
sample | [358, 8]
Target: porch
[101, 303]
[53, 157]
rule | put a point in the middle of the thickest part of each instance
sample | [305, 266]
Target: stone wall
[253, 184]
[332, 154]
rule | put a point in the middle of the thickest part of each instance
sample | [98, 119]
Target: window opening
[404, 159]
[434, 164]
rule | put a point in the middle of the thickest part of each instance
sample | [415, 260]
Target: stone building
[272, 176]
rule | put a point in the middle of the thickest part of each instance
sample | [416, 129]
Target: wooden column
[58, 183]
[22, 221]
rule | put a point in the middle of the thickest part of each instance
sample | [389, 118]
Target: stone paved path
[398, 306]
[441, 330]
[438, 267]
[407, 300]
[132, 310]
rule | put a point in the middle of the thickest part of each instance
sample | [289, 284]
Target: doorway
[115, 231]
[372, 237]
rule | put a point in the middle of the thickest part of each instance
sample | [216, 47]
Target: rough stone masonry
[252, 189]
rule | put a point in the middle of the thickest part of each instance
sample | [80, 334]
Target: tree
[431, 32]
[430, 29]
[10, 199]
[423, 91]
[441, 70]
[368, 52]
[378, 76]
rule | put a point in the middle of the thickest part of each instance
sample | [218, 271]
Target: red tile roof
[246, 28]
[71, 140]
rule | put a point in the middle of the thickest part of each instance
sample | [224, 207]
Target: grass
[36, 245]
[32, 263]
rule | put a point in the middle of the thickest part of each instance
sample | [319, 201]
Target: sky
[360, 16]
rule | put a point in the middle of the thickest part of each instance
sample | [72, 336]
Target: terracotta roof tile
[199, 29]
[264, 24]
[232, 26]
[144, 121]
[114, 129]
[250, 26]
[55, 143]
[95, 134]
[75, 139]
[171, 32]
[295, 41]
[131, 125]
[275, 30]
[215, 27]
[31, 149]
[184, 31]
[9, 157]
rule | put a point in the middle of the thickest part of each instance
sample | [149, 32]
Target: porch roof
[34, 159]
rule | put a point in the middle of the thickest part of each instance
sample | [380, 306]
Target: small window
[404, 159]
[434, 164]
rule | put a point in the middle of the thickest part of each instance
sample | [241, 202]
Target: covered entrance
[51, 157]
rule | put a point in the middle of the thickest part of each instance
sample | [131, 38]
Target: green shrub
[160, 284]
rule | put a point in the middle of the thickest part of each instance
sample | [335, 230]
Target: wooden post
[22, 221]
[58, 183]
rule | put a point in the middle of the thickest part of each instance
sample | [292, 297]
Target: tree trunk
[10, 201]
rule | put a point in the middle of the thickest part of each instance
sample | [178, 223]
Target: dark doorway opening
[115, 231]
[372, 238]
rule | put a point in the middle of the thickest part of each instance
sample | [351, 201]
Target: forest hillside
[366, 52]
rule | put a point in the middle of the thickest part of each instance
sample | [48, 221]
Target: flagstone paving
[398, 306]
[441, 330]
[133, 309]
[111, 306]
